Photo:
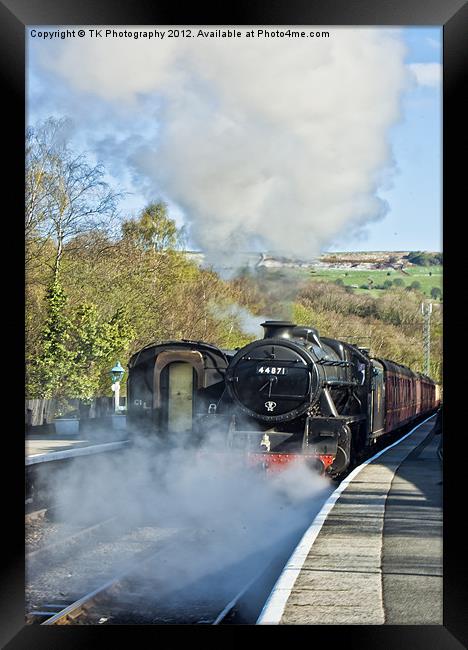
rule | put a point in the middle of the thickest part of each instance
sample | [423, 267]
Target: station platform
[373, 555]
[40, 448]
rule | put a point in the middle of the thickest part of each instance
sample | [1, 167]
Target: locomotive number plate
[271, 370]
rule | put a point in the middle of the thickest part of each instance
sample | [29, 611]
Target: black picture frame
[15, 16]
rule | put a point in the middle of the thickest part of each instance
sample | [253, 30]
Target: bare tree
[39, 150]
[65, 195]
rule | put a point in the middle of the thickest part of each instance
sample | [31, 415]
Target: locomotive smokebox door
[180, 402]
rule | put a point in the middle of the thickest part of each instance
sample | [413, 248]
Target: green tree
[153, 230]
[77, 349]
[48, 373]
[436, 293]
[95, 344]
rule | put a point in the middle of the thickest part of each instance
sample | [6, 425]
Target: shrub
[425, 259]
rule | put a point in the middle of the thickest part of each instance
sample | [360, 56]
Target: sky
[287, 145]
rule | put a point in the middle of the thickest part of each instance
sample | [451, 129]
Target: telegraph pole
[426, 309]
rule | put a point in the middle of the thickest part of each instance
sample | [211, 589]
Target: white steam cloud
[427, 74]
[278, 144]
[249, 323]
[208, 493]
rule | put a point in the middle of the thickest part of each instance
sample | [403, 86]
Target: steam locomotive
[291, 394]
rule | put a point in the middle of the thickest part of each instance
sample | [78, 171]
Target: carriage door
[180, 394]
[178, 375]
[378, 398]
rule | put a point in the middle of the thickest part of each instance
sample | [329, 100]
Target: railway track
[68, 541]
[35, 515]
[137, 595]
[230, 609]
[144, 591]
[82, 609]
[76, 612]
[117, 598]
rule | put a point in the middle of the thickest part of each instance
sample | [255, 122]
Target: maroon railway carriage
[408, 394]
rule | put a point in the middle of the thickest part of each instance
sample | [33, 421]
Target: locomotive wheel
[341, 462]
[343, 454]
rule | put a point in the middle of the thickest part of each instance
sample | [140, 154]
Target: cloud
[427, 74]
[434, 43]
[281, 143]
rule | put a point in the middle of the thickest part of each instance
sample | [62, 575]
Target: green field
[427, 276]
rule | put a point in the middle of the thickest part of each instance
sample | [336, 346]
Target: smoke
[208, 493]
[274, 144]
[249, 323]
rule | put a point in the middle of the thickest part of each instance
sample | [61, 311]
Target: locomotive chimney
[278, 329]
[365, 351]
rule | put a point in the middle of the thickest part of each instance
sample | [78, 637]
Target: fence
[40, 412]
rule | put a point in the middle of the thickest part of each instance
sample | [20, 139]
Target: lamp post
[426, 309]
[116, 374]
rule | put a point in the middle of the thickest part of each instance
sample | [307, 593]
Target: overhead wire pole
[426, 309]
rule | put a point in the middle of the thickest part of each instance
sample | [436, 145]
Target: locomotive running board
[251, 440]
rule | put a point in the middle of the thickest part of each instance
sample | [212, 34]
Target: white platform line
[273, 609]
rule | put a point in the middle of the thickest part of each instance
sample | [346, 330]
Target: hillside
[353, 260]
